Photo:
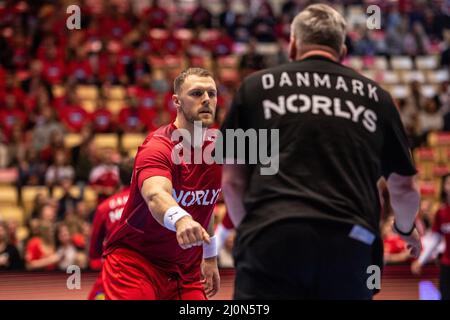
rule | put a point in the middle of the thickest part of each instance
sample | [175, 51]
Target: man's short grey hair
[319, 24]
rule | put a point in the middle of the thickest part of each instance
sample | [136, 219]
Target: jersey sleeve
[396, 154]
[155, 159]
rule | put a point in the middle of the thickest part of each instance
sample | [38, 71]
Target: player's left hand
[210, 276]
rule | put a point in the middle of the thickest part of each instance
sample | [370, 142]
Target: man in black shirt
[311, 228]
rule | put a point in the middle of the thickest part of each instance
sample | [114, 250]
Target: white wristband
[210, 250]
[172, 215]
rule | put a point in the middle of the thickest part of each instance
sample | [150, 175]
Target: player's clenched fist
[190, 233]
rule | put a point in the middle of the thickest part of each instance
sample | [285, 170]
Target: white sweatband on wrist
[210, 250]
[172, 215]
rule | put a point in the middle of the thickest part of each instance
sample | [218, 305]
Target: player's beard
[192, 117]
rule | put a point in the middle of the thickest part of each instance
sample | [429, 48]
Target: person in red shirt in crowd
[131, 118]
[146, 100]
[138, 66]
[12, 86]
[156, 15]
[80, 69]
[40, 251]
[440, 229]
[160, 249]
[116, 23]
[106, 216]
[222, 45]
[72, 115]
[395, 250]
[53, 67]
[11, 116]
[102, 118]
[21, 57]
[104, 177]
[110, 69]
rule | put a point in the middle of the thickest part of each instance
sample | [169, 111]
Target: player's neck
[317, 50]
[193, 130]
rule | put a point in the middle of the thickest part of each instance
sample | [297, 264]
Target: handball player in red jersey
[164, 246]
[106, 217]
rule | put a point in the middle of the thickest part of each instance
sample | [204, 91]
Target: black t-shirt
[15, 262]
[339, 132]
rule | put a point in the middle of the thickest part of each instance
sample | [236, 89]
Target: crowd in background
[131, 44]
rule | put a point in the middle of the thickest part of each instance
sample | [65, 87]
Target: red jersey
[102, 120]
[106, 216]
[34, 251]
[74, 117]
[196, 188]
[441, 225]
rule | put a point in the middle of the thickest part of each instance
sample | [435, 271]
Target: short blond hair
[200, 72]
[319, 24]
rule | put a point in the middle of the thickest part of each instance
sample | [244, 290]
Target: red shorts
[129, 276]
[97, 291]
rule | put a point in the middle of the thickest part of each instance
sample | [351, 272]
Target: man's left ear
[292, 50]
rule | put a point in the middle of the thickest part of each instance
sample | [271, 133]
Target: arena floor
[397, 284]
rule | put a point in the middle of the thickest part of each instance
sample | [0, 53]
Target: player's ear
[292, 49]
[176, 101]
[343, 52]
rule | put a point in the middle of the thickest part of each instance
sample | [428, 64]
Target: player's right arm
[157, 193]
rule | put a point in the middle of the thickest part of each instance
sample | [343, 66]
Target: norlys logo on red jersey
[188, 198]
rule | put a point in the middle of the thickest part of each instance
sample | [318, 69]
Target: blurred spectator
[38, 203]
[46, 126]
[4, 153]
[104, 177]
[48, 153]
[9, 255]
[138, 66]
[83, 155]
[11, 115]
[156, 15]
[132, 118]
[222, 46]
[365, 45]
[395, 250]
[111, 70]
[79, 69]
[227, 18]
[241, 29]
[66, 250]
[416, 42]
[48, 212]
[67, 203]
[72, 115]
[102, 118]
[200, 17]
[408, 113]
[415, 98]
[430, 119]
[53, 67]
[60, 169]
[251, 61]
[394, 40]
[40, 253]
[291, 8]
[32, 169]
[444, 97]
[263, 26]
